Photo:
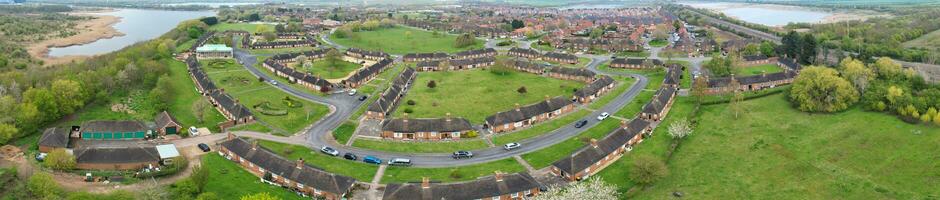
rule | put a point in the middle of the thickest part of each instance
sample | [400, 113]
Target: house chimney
[518, 107]
[623, 124]
[425, 182]
[254, 145]
[231, 136]
[300, 163]
[594, 142]
[404, 117]
[499, 176]
[548, 99]
[448, 117]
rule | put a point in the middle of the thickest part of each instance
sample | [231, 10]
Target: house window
[514, 195]
[456, 134]
[433, 134]
[261, 170]
[300, 185]
[506, 126]
[517, 124]
[397, 135]
[316, 191]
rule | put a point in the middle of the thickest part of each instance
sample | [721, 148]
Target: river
[137, 25]
[766, 14]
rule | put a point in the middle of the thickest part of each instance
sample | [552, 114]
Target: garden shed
[166, 124]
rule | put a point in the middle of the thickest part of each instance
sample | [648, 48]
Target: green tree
[698, 89]
[260, 196]
[42, 186]
[808, 49]
[596, 33]
[647, 170]
[185, 189]
[736, 97]
[885, 67]
[59, 159]
[44, 101]
[199, 109]
[855, 71]
[768, 49]
[7, 132]
[516, 24]
[69, 95]
[820, 89]
[751, 49]
[200, 177]
[333, 57]
[162, 94]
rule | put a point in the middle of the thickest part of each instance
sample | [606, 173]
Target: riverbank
[101, 27]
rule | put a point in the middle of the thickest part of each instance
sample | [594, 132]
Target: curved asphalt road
[342, 106]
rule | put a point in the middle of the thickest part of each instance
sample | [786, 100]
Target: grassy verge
[453, 174]
[540, 129]
[420, 147]
[230, 181]
[344, 132]
[658, 43]
[359, 170]
[545, 157]
[625, 83]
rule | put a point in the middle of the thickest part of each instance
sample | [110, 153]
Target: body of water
[213, 5]
[137, 25]
[770, 15]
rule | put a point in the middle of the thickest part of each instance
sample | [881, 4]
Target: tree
[200, 177]
[254, 17]
[185, 189]
[593, 188]
[522, 90]
[768, 49]
[698, 89]
[856, 72]
[885, 67]
[209, 20]
[791, 44]
[736, 97]
[7, 132]
[516, 24]
[596, 33]
[162, 94]
[59, 159]
[332, 58]
[301, 62]
[269, 36]
[432, 84]
[751, 49]
[260, 196]
[647, 170]
[680, 128]
[199, 108]
[676, 25]
[465, 40]
[42, 186]
[44, 101]
[820, 89]
[808, 49]
[936, 119]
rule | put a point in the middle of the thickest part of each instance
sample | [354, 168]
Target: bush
[455, 174]
[470, 134]
[411, 102]
[267, 109]
[408, 110]
[820, 89]
[60, 160]
[179, 164]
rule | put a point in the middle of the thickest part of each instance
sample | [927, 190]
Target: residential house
[417, 57]
[754, 60]
[426, 128]
[560, 58]
[364, 75]
[525, 53]
[364, 54]
[475, 53]
[166, 124]
[600, 153]
[635, 63]
[54, 138]
[594, 89]
[500, 186]
[525, 116]
[750, 83]
[389, 99]
[568, 73]
[656, 109]
[526, 66]
[116, 158]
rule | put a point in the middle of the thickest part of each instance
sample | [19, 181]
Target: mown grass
[545, 157]
[539, 129]
[230, 181]
[420, 147]
[759, 69]
[476, 94]
[623, 85]
[251, 28]
[359, 170]
[394, 174]
[402, 40]
[344, 132]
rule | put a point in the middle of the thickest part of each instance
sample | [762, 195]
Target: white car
[273, 82]
[603, 116]
[352, 92]
[329, 151]
[511, 146]
[193, 131]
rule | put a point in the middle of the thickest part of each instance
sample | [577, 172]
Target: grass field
[239, 83]
[359, 170]
[420, 147]
[658, 43]
[344, 132]
[398, 41]
[853, 154]
[622, 85]
[476, 94]
[451, 174]
[252, 28]
[230, 181]
[542, 47]
[928, 41]
[341, 70]
[540, 129]
[759, 69]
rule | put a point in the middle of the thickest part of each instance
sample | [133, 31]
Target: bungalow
[567, 73]
[363, 75]
[367, 55]
[497, 187]
[305, 79]
[560, 58]
[214, 51]
[295, 175]
[114, 130]
[673, 75]
[525, 53]
[166, 124]
[599, 154]
[754, 60]
[389, 99]
[789, 64]
[116, 158]
[593, 90]
[635, 63]
[416, 57]
[306, 41]
[425, 129]
[524, 116]
[290, 57]
[427, 66]
[470, 63]
[656, 109]
[525, 66]
[54, 138]
[750, 83]
[235, 112]
[475, 53]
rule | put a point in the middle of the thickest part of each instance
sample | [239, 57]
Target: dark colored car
[372, 160]
[363, 98]
[462, 154]
[350, 156]
[580, 124]
[204, 147]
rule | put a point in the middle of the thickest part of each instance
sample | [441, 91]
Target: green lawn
[359, 170]
[344, 132]
[476, 94]
[252, 28]
[759, 69]
[230, 181]
[853, 154]
[239, 83]
[622, 85]
[420, 147]
[540, 129]
[451, 174]
[340, 70]
[658, 43]
[542, 47]
[545, 157]
[185, 45]
[398, 41]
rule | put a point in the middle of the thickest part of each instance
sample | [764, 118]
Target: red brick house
[390, 98]
[595, 89]
[560, 58]
[635, 63]
[567, 73]
[524, 53]
[447, 128]
[525, 116]
[500, 186]
[600, 153]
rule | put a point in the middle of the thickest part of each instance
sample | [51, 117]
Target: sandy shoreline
[102, 27]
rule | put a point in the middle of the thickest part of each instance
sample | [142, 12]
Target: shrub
[408, 110]
[60, 160]
[411, 102]
[455, 174]
[820, 89]
[470, 134]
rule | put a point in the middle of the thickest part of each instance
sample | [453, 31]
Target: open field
[341, 70]
[476, 94]
[251, 28]
[356, 169]
[245, 87]
[811, 156]
[928, 41]
[230, 181]
[658, 43]
[451, 174]
[759, 69]
[420, 147]
[403, 40]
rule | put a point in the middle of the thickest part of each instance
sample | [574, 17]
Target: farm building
[114, 130]
[54, 138]
[117, 158]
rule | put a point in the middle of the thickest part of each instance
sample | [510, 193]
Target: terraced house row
[440, 56]
[292, 41]
[294, 175]
[548, 56]
[224, 103]
[635, 63]
[497, 186]
[755, 82]
[525, 116]
[276, 64]
[456, 64]
[391, 97]
[447, 128]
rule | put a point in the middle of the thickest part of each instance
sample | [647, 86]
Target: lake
[137, 25]
[770, 15]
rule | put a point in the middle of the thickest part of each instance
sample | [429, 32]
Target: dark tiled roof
[476, 189]
[55, 137]
[471, 61]
[594, 87]
[113, 126]
[524, 51]
[107, 155]
[526, 65]
[433, 56]
[588, 155]
[748, 80]
[527, 112]
[369, 71]
[275, 164]
[790, 63]
[572, 71]
[390, 97]
[201, 40]
[231, 105]
[367, 53]
[456, 124]
[635, 61]
[673, 75]
[475, 52]
[754, 57]
[659, 101]
[562, 56]
[164, 118]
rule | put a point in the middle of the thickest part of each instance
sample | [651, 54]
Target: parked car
[350, 156]
[352, 92]
[462, 154]
[400, 162]
[273, 82]
[511, 146]
[41, 157]
[603, 116]
[580, 124]
[329, 151]
[204, 147]
[363, 98]
[372, 160]
[193, 131]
